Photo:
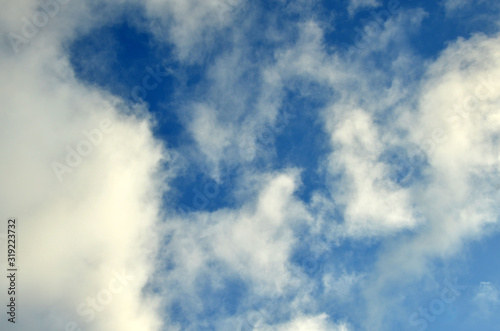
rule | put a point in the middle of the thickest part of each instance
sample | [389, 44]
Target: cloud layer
[400, 167]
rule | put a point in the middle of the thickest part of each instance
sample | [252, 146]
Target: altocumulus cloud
[349, 214]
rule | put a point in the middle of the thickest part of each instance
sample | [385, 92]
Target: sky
[287, 165]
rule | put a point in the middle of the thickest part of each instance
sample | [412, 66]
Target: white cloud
[457, 142]
[192, 25]
[456, 125]
[454, 7]
[340, 287]
[451, 5]
[306, 323]
[373, 204]
[487, 293]
[358, 5]
[450, 116]
[252, 243]
[212, 137]
[232, 236]
[75, 235]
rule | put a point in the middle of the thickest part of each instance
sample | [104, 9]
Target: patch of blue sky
[300, 140]
[438, 302]
[438, 29]
[460, 293]
[199, 192]
[483, 260]
[428, 39]
[215, 298]
[480, 271]
[124, 60]
[221, 294]
[315, 256]
[346, 31]
[405, 167]
[113, 57]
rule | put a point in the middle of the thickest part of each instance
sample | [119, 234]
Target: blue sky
[266, 165]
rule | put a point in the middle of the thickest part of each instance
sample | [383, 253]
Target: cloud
[451, 5]
[87, 178]
[454, 7]
[252, 243]
[304, 323]
[373, 203]
[454, 125]
[358, 5]
[91, 231]
[445, 123]
[487, 293]
[191, 25]
[341, 287]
